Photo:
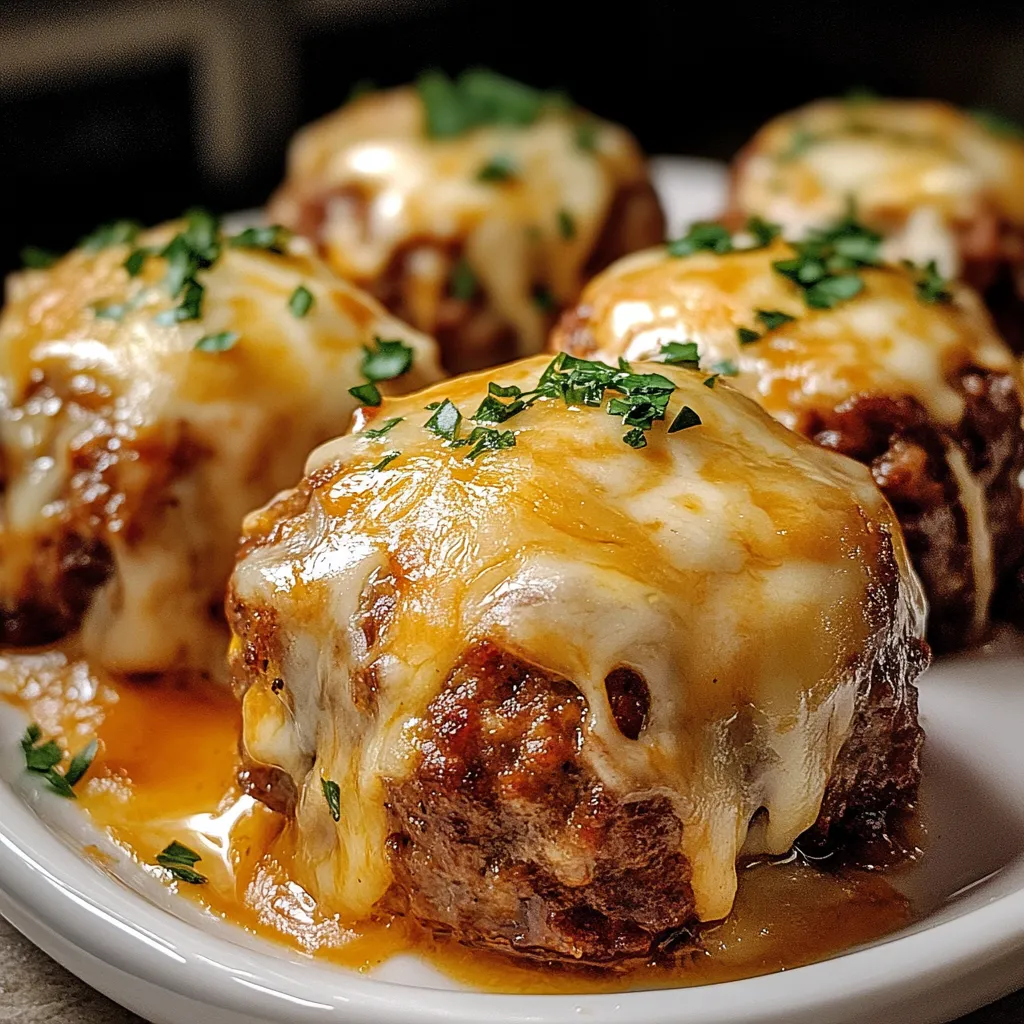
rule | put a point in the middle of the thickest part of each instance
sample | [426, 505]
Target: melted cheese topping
[919, 168]
[417, 189]
[736, 567]
[119, 430]
[885, 341]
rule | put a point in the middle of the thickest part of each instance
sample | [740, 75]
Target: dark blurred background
[142, 107]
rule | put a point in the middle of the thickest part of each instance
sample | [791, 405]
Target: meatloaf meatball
[941, 183]
[537, 674]
[154, 388]
[474, 209]
[892, 366]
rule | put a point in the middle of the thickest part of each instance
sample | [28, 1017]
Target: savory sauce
[166, 769]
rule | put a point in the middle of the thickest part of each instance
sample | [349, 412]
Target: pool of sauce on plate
[166, 770]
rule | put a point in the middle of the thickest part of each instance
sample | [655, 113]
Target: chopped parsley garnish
[194, 248]
[543, 299]
[703, 236]
[747, 336]
[300, 302]
[566, 225]
[181, 861]
[800, 141]
[712, 380]
[463, 283]
[222, 341]
[773, 318]
[332, 791]
[680, 353]
[827, 262]
[931, 286]
[43, 758]
[586, 136]
[388, 458]
[764, 231]
[114, 311]
[117, 232]
[501, 167]
[686, 417]
[998, 124]
[488, 439]
[478, 97]
[386, 360]
[35, 258]
[446, 420]
[136, 260]
[368, 394]
[271, 237]
[725, 368]
[383, 428]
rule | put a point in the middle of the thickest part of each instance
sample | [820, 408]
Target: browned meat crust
[908, 457]
[503, 838]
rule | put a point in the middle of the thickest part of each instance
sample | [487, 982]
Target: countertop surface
[35, 990]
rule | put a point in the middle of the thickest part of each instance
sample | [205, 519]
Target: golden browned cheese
[885, 341]
[370, 185]
[123, 443]
[936, 178]
[737, 568]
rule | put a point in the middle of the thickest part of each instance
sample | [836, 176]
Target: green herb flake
[566, 225]
[222, 341]
[271, 238]
[383, 429]
[828, 293]
[488, 439]
[725, 368]
[300, 302]
[586, 136]
[747, 336]
[446, 421]
[479, 97]
[703, 236]
[136, 260]
[332, 791]
[544, 299]
[115, 311]
[463, 283]
[712, 380]
[997, 124]
[386, 360]
[930, 285]
[117, 232]
[386, 461]
[501, 167]
[180, 861]
[33, 257]
[635, 438]
[680, 353]
[81, 763]
[368, 393]
[764, 231]
[771, 319]
[685, 418]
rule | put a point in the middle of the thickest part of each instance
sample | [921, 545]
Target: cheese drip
[737, 568]
[385, 186]
[114, 429]
[918, 168]
[885, 341]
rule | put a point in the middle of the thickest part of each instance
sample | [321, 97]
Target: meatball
[474, 209]
[888, 365]
[943, 184]
[538, 680]
[154, 388]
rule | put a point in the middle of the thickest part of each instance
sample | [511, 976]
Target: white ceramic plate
[125, 933]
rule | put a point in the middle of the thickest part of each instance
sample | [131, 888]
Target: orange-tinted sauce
[166, 770]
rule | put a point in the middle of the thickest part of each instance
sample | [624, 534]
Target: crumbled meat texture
[503, 838]
[907, 456]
